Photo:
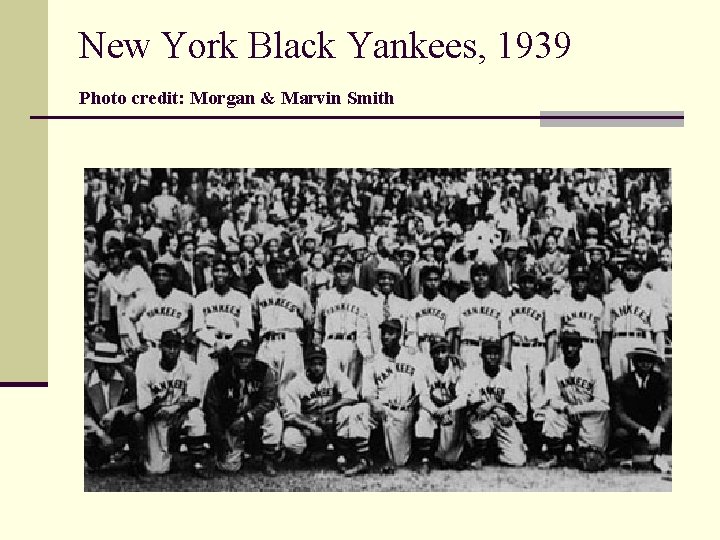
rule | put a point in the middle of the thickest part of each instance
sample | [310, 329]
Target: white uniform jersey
[476, 386]
[344, 314]
[396, 308]
[437, 389]
[633, 311]
[530, 319]
[481, 318]
[584, 316]
[582, 384]
[153, 381]
[153, 315]
[393, 381]
[229, 313]
[281, 310]
[430, 317]
[303, 397]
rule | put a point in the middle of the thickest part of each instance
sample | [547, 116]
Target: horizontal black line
[23, 384]
[380, 117]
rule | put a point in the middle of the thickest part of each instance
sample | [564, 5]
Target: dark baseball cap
[570, 336]
[343, 264]
[170, 337]
[276, 261]
[491, 345]
[392, 323]
[439, 342]
[633, 260]
[526, 273]
[579, 271]
[243, 347]
[428, 269]
[478, 267]
[314, 351]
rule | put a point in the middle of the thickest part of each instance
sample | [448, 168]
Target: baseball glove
[591, 459]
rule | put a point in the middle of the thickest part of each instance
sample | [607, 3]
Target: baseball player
[576, 403]
[492, 395]
[321, 406]
[439, 427]
[430, 314]
[341, 324]
[532, 325]
[481, 316]
[240, 407]
[385, 305]
[633, 317]
[389, 386]
[164, 308]
[581, 312]
[168, 395]
[221, 316]
[281, 311]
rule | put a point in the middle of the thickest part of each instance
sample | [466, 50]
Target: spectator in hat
[117, 233]
[188, 271]
[367, 269]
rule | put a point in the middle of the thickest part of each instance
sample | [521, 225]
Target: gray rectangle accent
[615, 119]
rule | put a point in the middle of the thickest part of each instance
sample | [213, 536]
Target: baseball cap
[220, 260]
[243, 347]
[314, 351]
[343, 264]
[633, 261]
[480, 266]
[439, 342]
[395, 324]
[171, 337]
[579, 271]
[570, 336]
[429, 269]
[491, 345]
[276, 261]
[166, 261]
[387, 267]
[525, 273]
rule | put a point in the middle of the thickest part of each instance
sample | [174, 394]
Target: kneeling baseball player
[321, 406]
[494, 399]
[439, 429]
[577, 406]
[240, 407]
[168, 395]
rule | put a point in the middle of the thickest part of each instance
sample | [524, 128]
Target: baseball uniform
[584, 388]
[632, 318]
[531, 321]
[282, 314]
[342, 321]
[585, 317]
[153, 315]
[477, 388]
[428, 318]
[392, 382]
[304, 398]
[436, 390]
[479, 319]
[381, 308]
[170, 386]
[219, 320]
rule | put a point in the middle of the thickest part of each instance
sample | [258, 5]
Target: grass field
[491, 478]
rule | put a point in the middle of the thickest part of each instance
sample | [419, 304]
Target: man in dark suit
[643, 409]
[504, 273]
[111, 415]
[367, 269]
[189, 274]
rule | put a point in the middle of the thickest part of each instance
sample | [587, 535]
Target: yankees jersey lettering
[640, 310]
[392, 381]
[477, 387]
[430, 317]
[437, 389]
[305, 398]
[576, 386]
[481, 318]
[530, 319]
[343, 314]
[584, 316]
[153, 381]
[229, 313]
[281, 309]
[154, 315]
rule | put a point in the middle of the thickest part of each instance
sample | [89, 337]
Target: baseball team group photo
[371, 329]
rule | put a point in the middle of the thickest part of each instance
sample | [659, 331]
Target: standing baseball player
[389, 386]
[532, 324]
[240, 407]
[439, 429]
[281, 311]
[221, 316]
[577, 405]
[385, 305]
[430, 314]
[321, 406]
[581, 312]
[633, 317]
[341, 324]
[164, 308]
[492, 394]
[168, 396]
[481, 316]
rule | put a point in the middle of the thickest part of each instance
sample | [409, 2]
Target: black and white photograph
[374, 329]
